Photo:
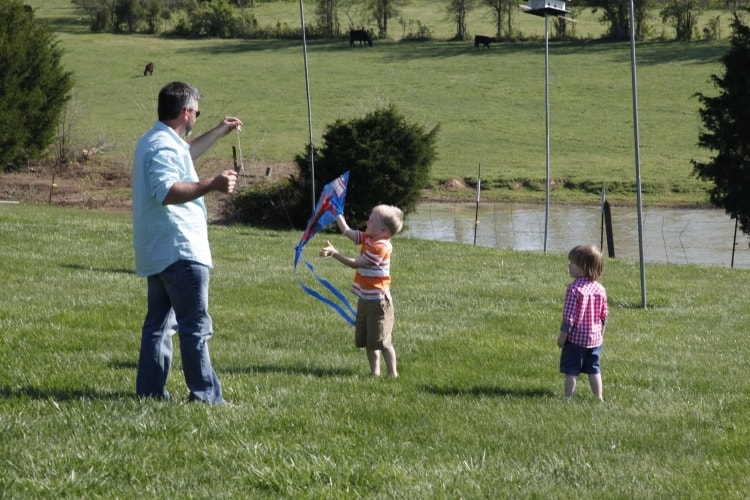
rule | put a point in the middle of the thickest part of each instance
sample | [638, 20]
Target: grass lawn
[477, 412]
[489, 105]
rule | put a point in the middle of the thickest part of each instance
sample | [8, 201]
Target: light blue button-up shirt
[164, 234]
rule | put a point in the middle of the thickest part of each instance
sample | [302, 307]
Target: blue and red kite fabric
[330, 205]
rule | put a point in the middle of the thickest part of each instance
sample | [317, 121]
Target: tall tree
[682, 15]
[458, 10]
[502, 11]
[384, 10]
[616, 13]
[33, 85]
[327, 15]
[726, 121]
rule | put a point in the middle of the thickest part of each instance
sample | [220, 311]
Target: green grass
[490, 105]
[477, 412]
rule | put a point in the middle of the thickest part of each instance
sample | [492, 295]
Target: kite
[330, 205]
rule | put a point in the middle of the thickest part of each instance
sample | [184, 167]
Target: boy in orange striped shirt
[372, 282]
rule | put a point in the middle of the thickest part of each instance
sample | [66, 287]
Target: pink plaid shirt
[585, 312]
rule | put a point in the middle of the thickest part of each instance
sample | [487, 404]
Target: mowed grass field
[490, 105]
[477, 412]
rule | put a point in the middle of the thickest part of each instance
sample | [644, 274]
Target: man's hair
[174, 97]
[391, 217]
[589, 259]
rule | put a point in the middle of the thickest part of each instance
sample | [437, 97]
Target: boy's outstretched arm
[330, 251]
[345, 229]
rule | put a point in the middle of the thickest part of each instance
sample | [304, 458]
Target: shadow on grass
[648, 53]
[496, 392]
[35, 393]
[124, 365]
[310, 371]
[79, 267]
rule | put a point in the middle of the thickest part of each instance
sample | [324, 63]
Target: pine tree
[726, 121]
[33, 85]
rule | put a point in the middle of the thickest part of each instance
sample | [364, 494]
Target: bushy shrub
[389, 162]
[275, 205]
[388, 158]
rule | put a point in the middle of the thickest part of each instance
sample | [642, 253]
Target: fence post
[608, 227]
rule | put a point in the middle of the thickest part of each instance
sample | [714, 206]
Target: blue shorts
[575, 359]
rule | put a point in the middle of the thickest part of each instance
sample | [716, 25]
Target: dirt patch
[105, 185]
[452, 184]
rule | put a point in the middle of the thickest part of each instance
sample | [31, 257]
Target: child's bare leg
[389, 355]
[570, 385]
[595, 380]
[373, 357]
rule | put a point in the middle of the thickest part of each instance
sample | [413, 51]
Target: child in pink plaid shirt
[584, 316]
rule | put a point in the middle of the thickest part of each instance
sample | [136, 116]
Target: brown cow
[149, 69]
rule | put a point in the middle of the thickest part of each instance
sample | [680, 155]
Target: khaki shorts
[374, 324]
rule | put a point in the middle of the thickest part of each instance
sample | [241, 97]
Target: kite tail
[349, 314]
[331, 288]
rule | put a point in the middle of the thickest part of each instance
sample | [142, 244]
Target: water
[670, 235]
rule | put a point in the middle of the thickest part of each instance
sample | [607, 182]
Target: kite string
[242, 165]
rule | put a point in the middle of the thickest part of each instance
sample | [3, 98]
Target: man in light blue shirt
[170, 239]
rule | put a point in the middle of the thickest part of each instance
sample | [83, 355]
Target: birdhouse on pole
[544, 8]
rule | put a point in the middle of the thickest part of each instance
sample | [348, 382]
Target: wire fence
[674, 236]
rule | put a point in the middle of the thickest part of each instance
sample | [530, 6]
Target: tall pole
[637, 154]
[546, 107]
[476, 213]
[309, 107]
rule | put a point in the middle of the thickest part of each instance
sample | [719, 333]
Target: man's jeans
[178, 302]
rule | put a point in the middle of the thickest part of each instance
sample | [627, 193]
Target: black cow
[483, 40]
[359, 36]
[149, 69]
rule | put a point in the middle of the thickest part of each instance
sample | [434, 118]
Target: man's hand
[231, 123]
[224, 182]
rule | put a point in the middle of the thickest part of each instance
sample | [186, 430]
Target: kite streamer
[330, 205]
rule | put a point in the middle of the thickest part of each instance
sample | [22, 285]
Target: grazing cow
[483, 40]
[359, 36]
[149, 69]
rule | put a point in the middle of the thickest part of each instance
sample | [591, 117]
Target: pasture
[489, 104]
[477, 412]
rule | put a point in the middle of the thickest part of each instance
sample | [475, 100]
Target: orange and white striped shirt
[373, 281]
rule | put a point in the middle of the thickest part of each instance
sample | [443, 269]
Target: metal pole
[637, 154]
[309, 107]
[476, 213]
[601, 206]
[734, 242]
[546, 107]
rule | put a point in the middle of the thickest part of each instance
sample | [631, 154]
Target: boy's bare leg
[374, 358]
[570, 385]
[595, 380]
[389, 355]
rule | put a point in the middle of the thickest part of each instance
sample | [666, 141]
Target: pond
[670, 235]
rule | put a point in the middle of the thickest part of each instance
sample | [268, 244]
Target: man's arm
[200, 144]
[182, 192]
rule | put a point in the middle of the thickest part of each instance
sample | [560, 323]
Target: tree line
[236, 18]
